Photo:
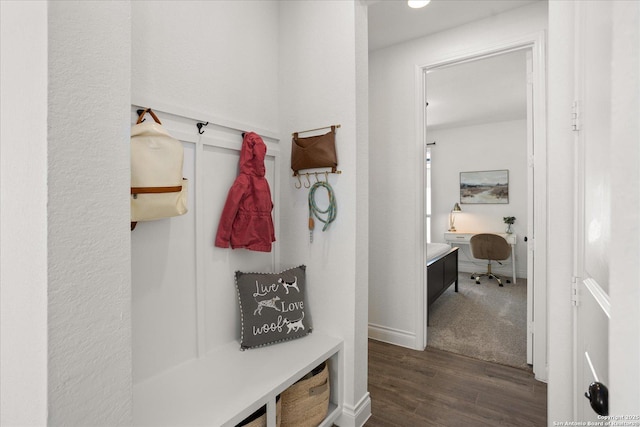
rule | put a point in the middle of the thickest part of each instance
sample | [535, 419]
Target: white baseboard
[392, 336]
[356, 416]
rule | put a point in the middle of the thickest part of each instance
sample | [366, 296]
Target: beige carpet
[483, 321]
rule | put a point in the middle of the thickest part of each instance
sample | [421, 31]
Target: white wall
[65, 235]
[561, 174]
[625, 154]
[396, 147]
[88, 236]
[272, 65]
[323, 82]
[184, 298]
[181, 57]
[216, 57]
[23, 213]
[560, 244]
[492, 146]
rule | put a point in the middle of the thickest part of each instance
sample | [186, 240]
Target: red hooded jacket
[246, 218]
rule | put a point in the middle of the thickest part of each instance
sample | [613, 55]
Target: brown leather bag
[314, 152]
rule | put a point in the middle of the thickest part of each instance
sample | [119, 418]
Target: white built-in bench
[228, 385]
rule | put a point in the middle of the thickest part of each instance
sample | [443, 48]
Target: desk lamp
[452, 217]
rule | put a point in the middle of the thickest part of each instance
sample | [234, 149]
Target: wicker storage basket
[306, 403]
[259, 418]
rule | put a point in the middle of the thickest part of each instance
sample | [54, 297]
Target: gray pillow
[273, 307]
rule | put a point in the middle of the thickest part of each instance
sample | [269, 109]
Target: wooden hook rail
[308, 184]
[311, 130]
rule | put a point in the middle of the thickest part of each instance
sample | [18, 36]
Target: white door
[593, 215]
[598, 139]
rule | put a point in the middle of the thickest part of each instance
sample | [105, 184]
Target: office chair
[492, 248]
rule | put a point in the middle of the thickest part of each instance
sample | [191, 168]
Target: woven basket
[306, 403]
[259, 418]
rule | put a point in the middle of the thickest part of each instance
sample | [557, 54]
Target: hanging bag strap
[141, 114]
[153, 190]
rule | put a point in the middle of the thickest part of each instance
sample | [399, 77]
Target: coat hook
[316, 174]
[299, 184]
[326, 177]
[200, 131]
[140, 112]
[305, 185]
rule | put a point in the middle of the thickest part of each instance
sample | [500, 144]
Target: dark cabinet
[441, 273]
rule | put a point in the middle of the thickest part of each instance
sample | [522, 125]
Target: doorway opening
[493, 135]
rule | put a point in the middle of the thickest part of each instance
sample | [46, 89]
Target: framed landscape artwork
[482, 187]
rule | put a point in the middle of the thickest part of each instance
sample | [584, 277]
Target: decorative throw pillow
[273, 307]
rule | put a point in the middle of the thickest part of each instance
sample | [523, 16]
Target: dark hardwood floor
[437, 388]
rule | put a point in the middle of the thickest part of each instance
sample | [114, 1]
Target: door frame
[537, 323]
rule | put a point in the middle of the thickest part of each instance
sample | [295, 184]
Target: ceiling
[476, 92]
[392, 21]
[481, 91]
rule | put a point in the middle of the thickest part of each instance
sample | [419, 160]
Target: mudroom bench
[227, 385]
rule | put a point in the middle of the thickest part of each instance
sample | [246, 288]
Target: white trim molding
[357, 415]
[393, 336]
[536, 42]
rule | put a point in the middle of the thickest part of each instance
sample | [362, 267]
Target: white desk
[459, 238]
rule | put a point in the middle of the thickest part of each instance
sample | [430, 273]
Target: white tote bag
[158, 189]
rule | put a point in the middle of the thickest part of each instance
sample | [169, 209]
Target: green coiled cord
[331, 210]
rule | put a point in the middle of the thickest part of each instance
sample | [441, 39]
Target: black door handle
[598, 396]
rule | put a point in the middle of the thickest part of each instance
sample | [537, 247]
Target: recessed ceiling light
[417, 4]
